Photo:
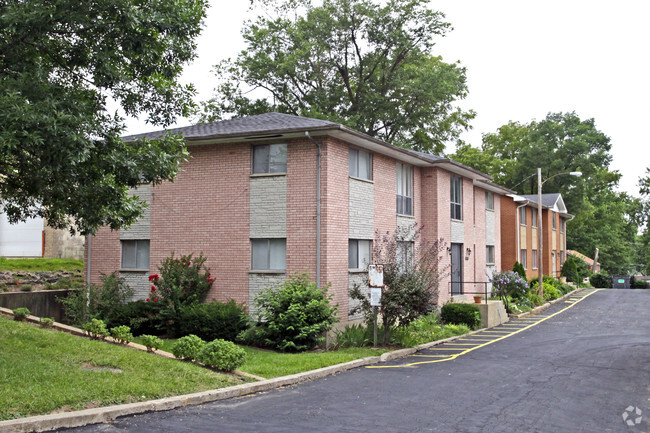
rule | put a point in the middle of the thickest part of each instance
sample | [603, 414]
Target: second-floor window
[404, 189]
[270, 158]
[522, 216]
[456, 197]
[533, 218]
[489, 200]
[360, 162]
[562, 225]
[554, 220]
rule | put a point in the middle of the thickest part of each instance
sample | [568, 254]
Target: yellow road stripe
[433, 356]
[456, 355]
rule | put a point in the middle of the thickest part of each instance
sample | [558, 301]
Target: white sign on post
[375, 296]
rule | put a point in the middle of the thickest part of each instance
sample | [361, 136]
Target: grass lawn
[41, 265]
[42, 371]
[270, 364]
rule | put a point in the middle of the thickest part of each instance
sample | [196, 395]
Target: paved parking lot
[581, 366]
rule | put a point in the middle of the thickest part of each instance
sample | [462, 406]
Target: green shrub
[179, 282]
[3, 287]
[141, 316]
[212, 321]
[297, 314]
[46, 322]
[534, 298]
[254, 336]
[21, 313]
[425, 329]
[221, 354]
[508, 285]
[188, 347]
[550, 292]
[151, 342]
[601, 281]
[636, 283]
[354, 336]
[96, 302]
[96, 329]
[575, 269]
[66, 283]
[122, 334]
[461, 313]
[519, 269]
[26, 288]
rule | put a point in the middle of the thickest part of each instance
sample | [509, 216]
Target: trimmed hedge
[221, 354]
[457, 314]
[212, 321]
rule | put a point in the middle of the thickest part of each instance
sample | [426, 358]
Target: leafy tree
[60, 62]
[643, 240]
[367, 66]
[518, 268]
[412, 274]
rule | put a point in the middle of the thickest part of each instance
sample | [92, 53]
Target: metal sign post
[376, 283]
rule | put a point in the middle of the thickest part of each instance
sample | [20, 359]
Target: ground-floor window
[489, 254]
[523, 258]
[359, 253]
[268, 254]
[135, 254]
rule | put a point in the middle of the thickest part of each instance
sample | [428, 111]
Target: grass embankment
[43, 371]
[41, 265]
[270, 364]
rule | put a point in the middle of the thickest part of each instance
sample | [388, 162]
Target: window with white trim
[534, 264]
[553, 219]
[359, 251]
[523, 258]
[268, 254]
[562, 225]
[522, 215]
[360, 162]
[456, 197]
[270, 158]
[404, 189]
[489, 254]
[489, 200]
[135, 254]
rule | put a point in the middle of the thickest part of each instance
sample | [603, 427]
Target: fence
[474, 288]
[41, 304]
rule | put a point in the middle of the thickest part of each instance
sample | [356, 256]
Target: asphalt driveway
[581, 366]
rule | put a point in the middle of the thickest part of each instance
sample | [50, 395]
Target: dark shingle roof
[548, 200]
[428, 156]
[262, 123]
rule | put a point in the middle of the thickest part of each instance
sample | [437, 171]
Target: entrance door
[456, 269]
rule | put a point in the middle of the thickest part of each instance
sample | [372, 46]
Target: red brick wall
[105, 254]
[206, 210]
[334, 226]
[384, 175]
[509, 229]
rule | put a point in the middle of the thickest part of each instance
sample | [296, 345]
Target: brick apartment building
[520, 236]
[248, 200]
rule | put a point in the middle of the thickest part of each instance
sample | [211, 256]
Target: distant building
[33, 238]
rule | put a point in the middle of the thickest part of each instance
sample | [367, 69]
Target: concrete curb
[80, 418]
[545, 306]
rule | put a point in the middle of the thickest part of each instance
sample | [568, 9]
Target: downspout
[518, 231]
[89, 237]
[318, 228]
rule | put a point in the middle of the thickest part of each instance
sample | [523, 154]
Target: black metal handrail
[455, 285]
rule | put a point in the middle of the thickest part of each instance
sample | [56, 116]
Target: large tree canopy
[61, 156]
[560, 143]
[364, 65]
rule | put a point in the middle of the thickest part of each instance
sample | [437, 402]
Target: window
[562, 225]
[489, 200]
[553, 220]
[404, 189]
[268, 254]
[360, 164]
[270, 158]
[562, 260]
[358, 253]
[456, 197]
[533, 218]
[405, 251]
[489, 254]
[534, 259]
[135, 254]
[522, 216]
[524, 260]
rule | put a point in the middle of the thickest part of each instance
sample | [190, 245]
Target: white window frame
[534, 259]
[522, 216]
[141, 254]
[404, 189]
[489, 254]
[358, 160]
[523, 258]
[489, 200]
[562, 225]
[553, 223]
[359, 253]
[456, 197]
[276, 159]
[269, 254]
[533, 217]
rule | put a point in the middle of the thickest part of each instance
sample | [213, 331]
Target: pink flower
[147, 299]
[153, 289]
[155, 299]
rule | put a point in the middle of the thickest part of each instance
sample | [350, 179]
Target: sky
[524, 59]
